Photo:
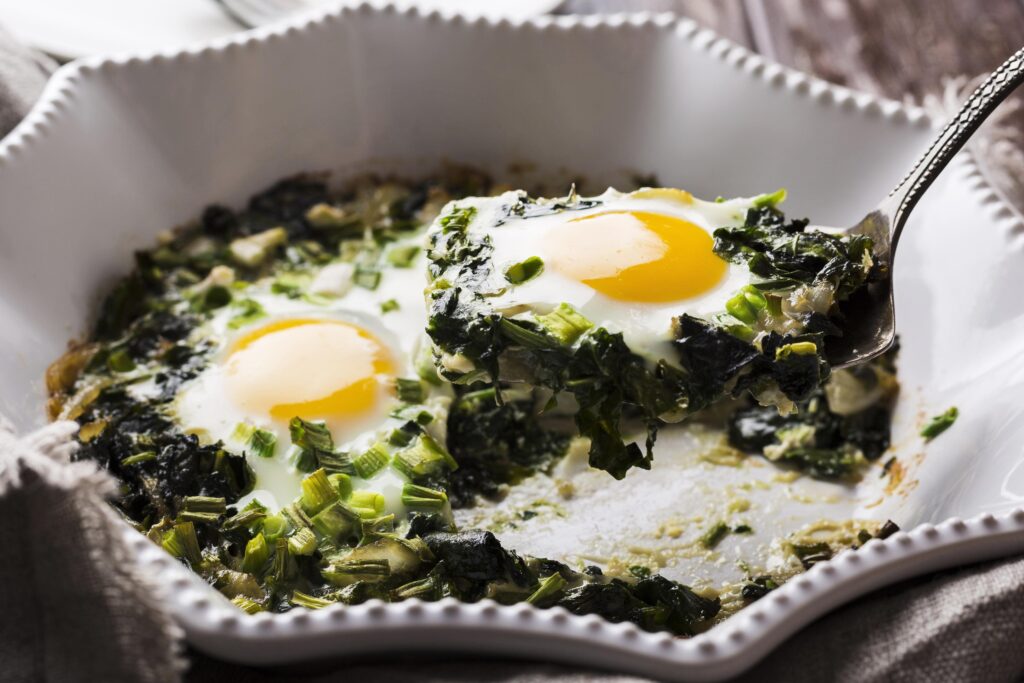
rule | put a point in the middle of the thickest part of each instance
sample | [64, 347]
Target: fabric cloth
[75, 606]
[76, 610]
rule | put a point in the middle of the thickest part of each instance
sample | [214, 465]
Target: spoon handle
[996, 88]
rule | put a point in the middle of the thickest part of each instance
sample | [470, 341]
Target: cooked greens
[496, 399]
[768, 342]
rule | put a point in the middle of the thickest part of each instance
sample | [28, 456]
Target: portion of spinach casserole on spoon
[288, 419]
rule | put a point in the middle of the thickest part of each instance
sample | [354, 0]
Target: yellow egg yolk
[636, 255]
[309, 368]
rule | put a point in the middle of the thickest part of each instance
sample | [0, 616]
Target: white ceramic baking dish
[119, 149]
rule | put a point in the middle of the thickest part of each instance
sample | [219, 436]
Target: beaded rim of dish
[724, 650]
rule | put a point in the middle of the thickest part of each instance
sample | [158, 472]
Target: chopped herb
[367, 504]
[940, 423]
[403, 256]
[524, 271]
[423, 498]
[714, 535]
[389, 305]
[300, 599]
[207, 509]
[249, 311]
[246, 604]
[317, 492]
[372, 461]
[256, 555]
[302, 542]
[144, 456]
[758, 587]
[548, 591]
[423, 459]
[366, 277]
[410, 390]
[181, 542]
[120, 361]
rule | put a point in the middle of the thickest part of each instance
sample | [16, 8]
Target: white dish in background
[120, 149]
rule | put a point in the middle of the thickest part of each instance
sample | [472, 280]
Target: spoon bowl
[869, 317]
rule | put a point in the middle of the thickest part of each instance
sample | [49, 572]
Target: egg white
[646, 326]
[203, 406]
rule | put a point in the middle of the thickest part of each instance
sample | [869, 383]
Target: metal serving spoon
[869, 329]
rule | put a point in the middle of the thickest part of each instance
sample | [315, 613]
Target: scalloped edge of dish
[725, 650]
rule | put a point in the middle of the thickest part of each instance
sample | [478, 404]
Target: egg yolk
[314, 369]
[636, 255]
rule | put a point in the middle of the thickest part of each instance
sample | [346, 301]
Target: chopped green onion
[372, 461]
[342, 483]
[565, 324]
[389, 305]
[302, 542]
[403, 436]
[940, 423]
[314, 441]
[746, 304]
[244, 518]
[423, 498]
[324, 215]
[317, 492]
[283, 566]
[335, 521]
[144, 456]
[410, 390]
[300, 599]
[458, 219]
[335, 462]
[805, 348]
[246, 604]
[367, 504]
[120, 361]
[274, 526]
[640, 571]
[249, 311]
[202, 509]
[742, 529]
[520, 333]
[431, 588]
[524, 271]
[211, 298]
[347, 572]
[260, 441]
[312, 436]
[735, 327]
[376, 526]
[181, 542]
[403, 256]
[549, 588]
[367, 277]
[771, 199]
[714, 535]
[256, 555]
[423, 459]
[291, 285]
[295, 516]
[251, 251]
